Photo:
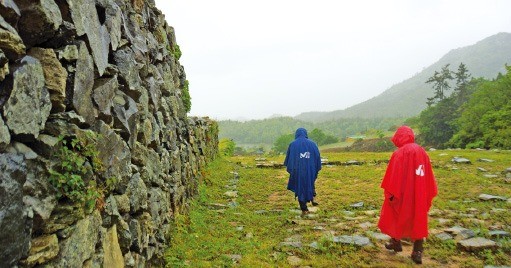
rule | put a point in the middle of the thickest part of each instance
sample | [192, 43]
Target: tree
[461, 91]
[436, 123]
[440, 81]
[318, 136]
[282, 142]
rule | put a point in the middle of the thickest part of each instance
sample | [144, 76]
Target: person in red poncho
[409, 188]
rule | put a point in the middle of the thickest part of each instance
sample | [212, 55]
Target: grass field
[261, 227]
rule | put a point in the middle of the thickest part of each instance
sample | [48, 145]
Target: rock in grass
[379, 236]
[234, 257]
[487, 197]
[356, 240]
[231, 194]
[293, 244]
[294, 261]
[460, 233]
[477, 244]
[358, 205]
[498, 234]
[443, 236]
[485, 160]
[461, 160]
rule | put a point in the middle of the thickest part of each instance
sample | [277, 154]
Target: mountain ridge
[486, 58]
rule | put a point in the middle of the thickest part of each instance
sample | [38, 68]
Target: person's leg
[394, 244]
[312, 201]
[418, 248]
[303, 207]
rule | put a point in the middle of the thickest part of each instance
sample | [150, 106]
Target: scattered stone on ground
[461, 160]
[378, 236]
[294, 260]
[477, 244]
[444, 236]
[487, 197]
[357, 205]
[294, 244]
[498, 234]
[313, 209]
[314, 245]
[460, 233]
[366, 225]
[443, 221]
[356, 240]
[234, 257]
[231, 194]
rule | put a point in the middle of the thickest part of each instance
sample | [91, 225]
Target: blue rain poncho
[303, 163]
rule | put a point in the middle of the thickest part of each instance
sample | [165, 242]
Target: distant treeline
[267, 131]
[476, 115]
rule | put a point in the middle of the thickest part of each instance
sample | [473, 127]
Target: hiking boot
[305, 213]
[394, 245]
[417, 257]
[314, 203]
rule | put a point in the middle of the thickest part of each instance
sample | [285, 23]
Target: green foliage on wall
[185, 96]
[176, 51]
[75, 168]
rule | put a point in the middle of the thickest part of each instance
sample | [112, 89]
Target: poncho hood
[301, 133]
[403, 136]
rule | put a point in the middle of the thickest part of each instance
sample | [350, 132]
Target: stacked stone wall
[100, 81]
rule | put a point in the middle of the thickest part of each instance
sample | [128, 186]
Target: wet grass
[250, 232]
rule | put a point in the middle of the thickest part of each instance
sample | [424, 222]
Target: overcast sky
[254, 59]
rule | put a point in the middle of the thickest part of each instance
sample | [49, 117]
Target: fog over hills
[485, 59]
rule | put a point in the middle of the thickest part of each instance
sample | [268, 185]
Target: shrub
[74, 171]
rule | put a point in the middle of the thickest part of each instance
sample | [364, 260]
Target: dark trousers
[303, 205]
[418, 245]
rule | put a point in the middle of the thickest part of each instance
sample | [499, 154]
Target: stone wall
[99, 80]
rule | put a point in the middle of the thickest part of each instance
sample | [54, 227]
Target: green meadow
[243, 216]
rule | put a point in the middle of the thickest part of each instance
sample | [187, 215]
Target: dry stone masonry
[97, 153]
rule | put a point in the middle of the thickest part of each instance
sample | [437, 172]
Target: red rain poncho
[409, 187]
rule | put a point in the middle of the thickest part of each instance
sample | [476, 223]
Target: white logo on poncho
[420, 171]
[305, 155]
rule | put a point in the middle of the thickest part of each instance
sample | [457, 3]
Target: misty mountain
[485, 59]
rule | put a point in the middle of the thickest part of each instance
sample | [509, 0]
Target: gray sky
[254, 59]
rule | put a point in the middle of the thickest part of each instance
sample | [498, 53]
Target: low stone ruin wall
[97, 153]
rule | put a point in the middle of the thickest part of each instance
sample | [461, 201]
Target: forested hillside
[476, 115]
[268, 130]
[486, 58]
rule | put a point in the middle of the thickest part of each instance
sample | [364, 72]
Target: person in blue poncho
[303, 163]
